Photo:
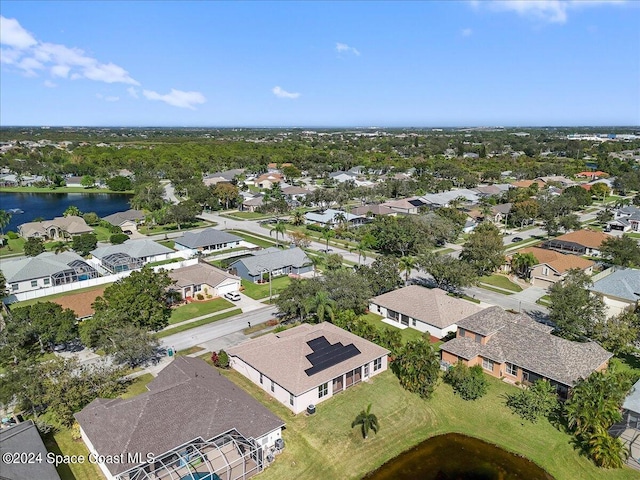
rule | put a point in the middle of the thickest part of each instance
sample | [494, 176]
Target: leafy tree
[581, 196]
[569, 222]
[220, 359]
[417, 367]
[334, 261]
[33, 247]
[321, 306]
[290, 172]
[280, 229]
[523, 212]
[297, 218]
[604, 216]
[469, 383]
[84, 243]
[550, 225]
[291, 301]
[349, 290]
[119, 183]
[618, 334]
[88, 181]
[3, 285]
[607, 451]
[484, 249]
[522, 262]
[184, 212]
[299, 239]
[367, 421]
[407, 264]
[623, 251]
[91, 218]
[118, 238]
[533, 402]
[227, 193]
[383, 275]
[72, 210]
[449, 273]
[572, 308]
[5, 218]
[133, 345]
[600, 190]
[60, 247]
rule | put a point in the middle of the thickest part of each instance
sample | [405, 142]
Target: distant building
[128, 220]
[329, 218]
[619, 288]
[203, 279]
[580, 242]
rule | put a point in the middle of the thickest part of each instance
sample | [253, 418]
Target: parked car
[233, 296]
[516, 239]
[326, 250]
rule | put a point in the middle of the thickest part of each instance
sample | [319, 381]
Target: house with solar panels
[308, 364]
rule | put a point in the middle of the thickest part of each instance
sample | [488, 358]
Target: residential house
[469, 225]
[619, 288]
[295, 194]
[272, 262]
[552, 267]
[444, 199]
[518, 349]
[308, 364]
[494, 189]
[564, 182]
[45, 270]
[58, 228]
[207, 241]
[528, 183]
[252, 204]
[73, 181]
[328, 218]
[625, 219]
[409, 205]
[130, 255]
[341, 176]
[128, 220]
[580, 242]
[203, 279]
[592, 175]
[373, 211]
[428, 310]
[222, 177]
[628, 429]
[268, 180]
[191, 423]
[23, 442]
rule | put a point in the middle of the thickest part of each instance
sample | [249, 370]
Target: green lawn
[197, 309]
[14, 247]
[172, 227]
[168, 243]
[164, 262]
[259, 241]
[138, 385]
[544, 300]
[245, 215]
[325, 446]
[259, 291]
[199, 323]
[501, 281]
[189, 351]
[102, 233]
[407, 334]
[61, 443]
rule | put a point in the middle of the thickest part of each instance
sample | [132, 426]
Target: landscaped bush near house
[469, 383]
[533, 402]
[317, 228]
[199, 296]
[220, 359]
[118, 238]
[12, 235]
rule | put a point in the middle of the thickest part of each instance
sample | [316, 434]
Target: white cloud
[552, 11]
[49, 84]
[281, 93]
[29, 66]
[466, 32]
[133, 92]
[177, 98]
[344, 48]
[13, 35]
[61, 71]
[111, 98]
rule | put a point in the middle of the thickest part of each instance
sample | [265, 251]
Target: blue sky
[492, 63]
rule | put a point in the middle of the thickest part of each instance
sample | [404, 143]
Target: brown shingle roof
[558, 261]
[189, 399]
[430, 305]
[586, 238]
[200, 273]
[529, 345]
[374, 209]
[282, 356]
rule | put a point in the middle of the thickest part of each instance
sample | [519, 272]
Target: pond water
[458, 457]
[49, 205]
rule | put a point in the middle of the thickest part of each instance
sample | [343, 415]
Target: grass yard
[259, 241]
[325, 446]
[168, 243]
[189, 351]
[544, 300]
[501, 281]
[259, 291]
[245, 215]
[172, 227]
[199, 323]
[197, 309]
[164, 262]
[61, 443]
[13, 247]
[407, 334]
[138, 385]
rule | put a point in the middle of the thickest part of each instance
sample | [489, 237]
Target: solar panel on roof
[326, 355]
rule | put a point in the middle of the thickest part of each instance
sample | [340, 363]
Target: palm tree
[340, 218]
[320, 305]
[315, 261]
[607, 451]
[298, 217]
[280, 229]
[368, 421]
[406, 264]
[522, 262]
[361, 249]
[328, 234]
[61, 247]
[5, 218]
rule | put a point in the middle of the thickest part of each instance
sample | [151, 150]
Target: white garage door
[228, 287]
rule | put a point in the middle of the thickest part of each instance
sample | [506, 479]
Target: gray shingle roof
[119, 218]
[282, 357]
[24, 438]
[44, 265]
[430, 305]
[624, 283]
[519, 341]
[273, 258]
[187, 400]
[71, 224]
[134, 248]
[209, 236]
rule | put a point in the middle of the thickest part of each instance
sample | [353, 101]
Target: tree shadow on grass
[52, 446]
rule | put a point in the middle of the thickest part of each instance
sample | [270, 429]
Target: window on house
[377, 364]
[34, 283]
[545, 271]
[366, 370]
[291, 399]
[478, 338]
[14, 286]
[273, 386]
[47, 281]
[323, 390]
[512, 369]
[197, 288]
[462, 332]
[261, 378]
[413, 322]
[487, 364]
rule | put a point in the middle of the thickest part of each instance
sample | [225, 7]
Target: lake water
[49, 205]
[458, 457]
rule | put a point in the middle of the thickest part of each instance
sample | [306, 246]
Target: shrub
[12, 235]
[75, 431]
[279, 328]
[317, 228]
[118, 238]
[533, 402]
[199, 296]
[469, 383]
[223, 359]
[272, 323]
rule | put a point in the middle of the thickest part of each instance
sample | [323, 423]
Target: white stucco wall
[103, 467]
[615, 306]
[421, 326]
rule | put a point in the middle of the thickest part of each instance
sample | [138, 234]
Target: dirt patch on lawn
[80, 303]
